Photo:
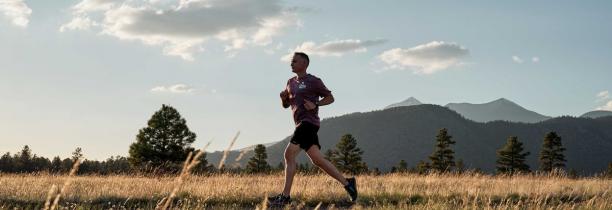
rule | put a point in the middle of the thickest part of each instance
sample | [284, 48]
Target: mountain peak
[411, 99]
[501, 100]
[408, 102]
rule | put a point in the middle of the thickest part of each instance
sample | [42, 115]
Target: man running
[302, 93]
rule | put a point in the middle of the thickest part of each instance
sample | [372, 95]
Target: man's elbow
[331, 99]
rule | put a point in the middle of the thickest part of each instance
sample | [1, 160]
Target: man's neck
[301, 75]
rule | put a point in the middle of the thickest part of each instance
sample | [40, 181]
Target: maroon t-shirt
[310, 88]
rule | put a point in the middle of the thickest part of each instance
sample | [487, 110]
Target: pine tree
[164, 143]
[402, 166]
[258, 163]
[77, 154]
[7, 163]
[423, 167]
[551, 155]
[510, 158]
[203, 166]
[376, 171]
[347, 156]
[24, 160]
[442, 157]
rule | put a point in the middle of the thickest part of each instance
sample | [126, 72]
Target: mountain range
[407, 132]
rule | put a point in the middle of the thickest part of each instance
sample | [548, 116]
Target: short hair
[303, 55]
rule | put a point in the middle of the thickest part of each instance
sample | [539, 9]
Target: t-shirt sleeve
[320, 88]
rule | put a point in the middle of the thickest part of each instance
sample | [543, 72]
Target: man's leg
[317, 158]
[291, 152]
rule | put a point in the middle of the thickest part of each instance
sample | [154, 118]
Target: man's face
[298, 64]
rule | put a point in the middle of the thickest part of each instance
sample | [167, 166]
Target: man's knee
[291, 152]
[289, 158]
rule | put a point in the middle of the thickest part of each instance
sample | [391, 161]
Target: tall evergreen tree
[442, 159]
[77, 154]
[347, 156]
[551, 155]
[56, 164]
[510, 158]
[24, 160]
[258, 163]
[164, 142]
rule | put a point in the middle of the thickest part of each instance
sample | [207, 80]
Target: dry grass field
[391, 191]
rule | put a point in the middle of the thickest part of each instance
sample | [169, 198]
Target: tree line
[511, 157]
[162, 146]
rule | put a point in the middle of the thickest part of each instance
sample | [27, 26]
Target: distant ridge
[597, 114]
[500, 109]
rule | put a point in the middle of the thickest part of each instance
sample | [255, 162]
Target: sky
[90, 73]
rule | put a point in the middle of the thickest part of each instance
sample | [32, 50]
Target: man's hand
[284, 95]
[309, 105]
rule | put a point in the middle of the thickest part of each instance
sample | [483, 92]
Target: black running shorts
[305, 135]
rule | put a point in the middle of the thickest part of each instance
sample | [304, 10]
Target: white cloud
[426, 58]
[78, 23]
[17, 11]
[517, 59]
[535, 59]
[86, 6]
[183, 27]
[178, 88]
[603, 95]
[607, 106]
[333, 48]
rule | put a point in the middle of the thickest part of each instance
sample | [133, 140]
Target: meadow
[310, 191]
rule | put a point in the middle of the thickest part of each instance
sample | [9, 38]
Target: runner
[302, 94]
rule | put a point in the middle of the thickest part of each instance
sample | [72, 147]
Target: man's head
[299, 62]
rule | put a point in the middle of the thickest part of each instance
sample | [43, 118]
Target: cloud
[426, 58]
[78, 23]
[183, 27]
[86, 6]
[535, 59]
[606, 107]
[603, 95]
[16, 10]
[178, 88]
[517, 59]
[333, 48]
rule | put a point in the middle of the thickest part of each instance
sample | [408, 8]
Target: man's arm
[284, 98]
[325, 101]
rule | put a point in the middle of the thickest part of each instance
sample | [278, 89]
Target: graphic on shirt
[302, 85]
